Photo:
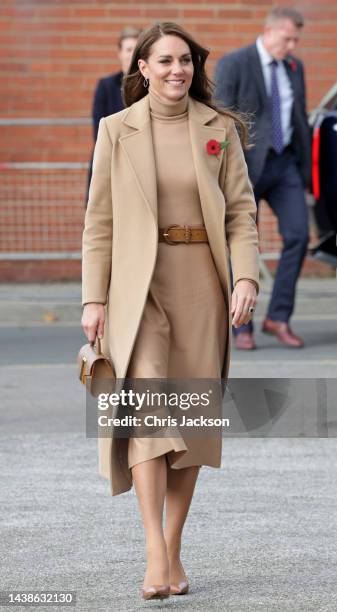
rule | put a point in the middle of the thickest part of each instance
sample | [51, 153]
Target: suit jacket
[240, 84]
[107, 100]
[120, 238]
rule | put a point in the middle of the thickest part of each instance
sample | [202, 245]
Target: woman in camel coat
[129, 262]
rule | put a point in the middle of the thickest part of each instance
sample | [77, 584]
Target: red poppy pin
[214, 146]
[291, 63]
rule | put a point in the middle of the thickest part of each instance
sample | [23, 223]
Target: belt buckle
[166, 234]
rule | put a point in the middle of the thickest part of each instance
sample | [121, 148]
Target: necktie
[277, 136]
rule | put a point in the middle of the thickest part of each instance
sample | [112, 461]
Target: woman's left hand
[243, 297]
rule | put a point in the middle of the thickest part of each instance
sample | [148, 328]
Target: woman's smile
[176, 83]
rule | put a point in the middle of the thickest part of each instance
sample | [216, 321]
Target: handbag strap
[96, 344]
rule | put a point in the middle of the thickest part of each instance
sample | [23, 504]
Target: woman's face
[169, 67]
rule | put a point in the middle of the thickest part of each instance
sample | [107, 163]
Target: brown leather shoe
[244, 341]
[282, 331]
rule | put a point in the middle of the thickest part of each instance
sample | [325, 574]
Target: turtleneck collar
[167, 108]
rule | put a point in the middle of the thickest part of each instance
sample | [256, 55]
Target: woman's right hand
[93, 318]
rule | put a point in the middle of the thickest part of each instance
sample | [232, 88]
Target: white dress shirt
[284, 87]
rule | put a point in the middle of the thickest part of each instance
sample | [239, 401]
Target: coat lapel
[291, 74]
[293, 78]
[207, 167]
[138, 148]
[257, 72]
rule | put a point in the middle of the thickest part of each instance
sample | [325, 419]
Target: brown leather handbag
[95, 370]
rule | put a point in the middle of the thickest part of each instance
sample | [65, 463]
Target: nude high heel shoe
[179, 589]
[156, 591]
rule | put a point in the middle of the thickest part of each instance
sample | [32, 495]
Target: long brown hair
[201, 88]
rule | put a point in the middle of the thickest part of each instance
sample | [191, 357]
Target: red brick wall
[52, 52]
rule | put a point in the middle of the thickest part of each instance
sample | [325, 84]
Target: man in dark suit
[107, 97]
[265, 81]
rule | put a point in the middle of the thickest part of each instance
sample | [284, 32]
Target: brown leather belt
[175, 234]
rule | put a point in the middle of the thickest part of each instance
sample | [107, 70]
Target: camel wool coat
[120, 237]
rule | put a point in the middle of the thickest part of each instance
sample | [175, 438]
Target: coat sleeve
[97, 234]
[240, 214]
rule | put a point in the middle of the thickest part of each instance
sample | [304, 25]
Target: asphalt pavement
[261, 532]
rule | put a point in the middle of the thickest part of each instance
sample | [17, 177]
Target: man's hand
[243, 297]
[93, 320]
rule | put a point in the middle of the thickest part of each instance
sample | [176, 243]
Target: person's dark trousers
[281, 185]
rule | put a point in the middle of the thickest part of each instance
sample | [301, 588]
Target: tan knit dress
[185, 292]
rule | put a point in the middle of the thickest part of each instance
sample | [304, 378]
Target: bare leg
[180, 488]
[150, 481]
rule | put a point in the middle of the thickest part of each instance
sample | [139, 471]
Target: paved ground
[261, 534]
